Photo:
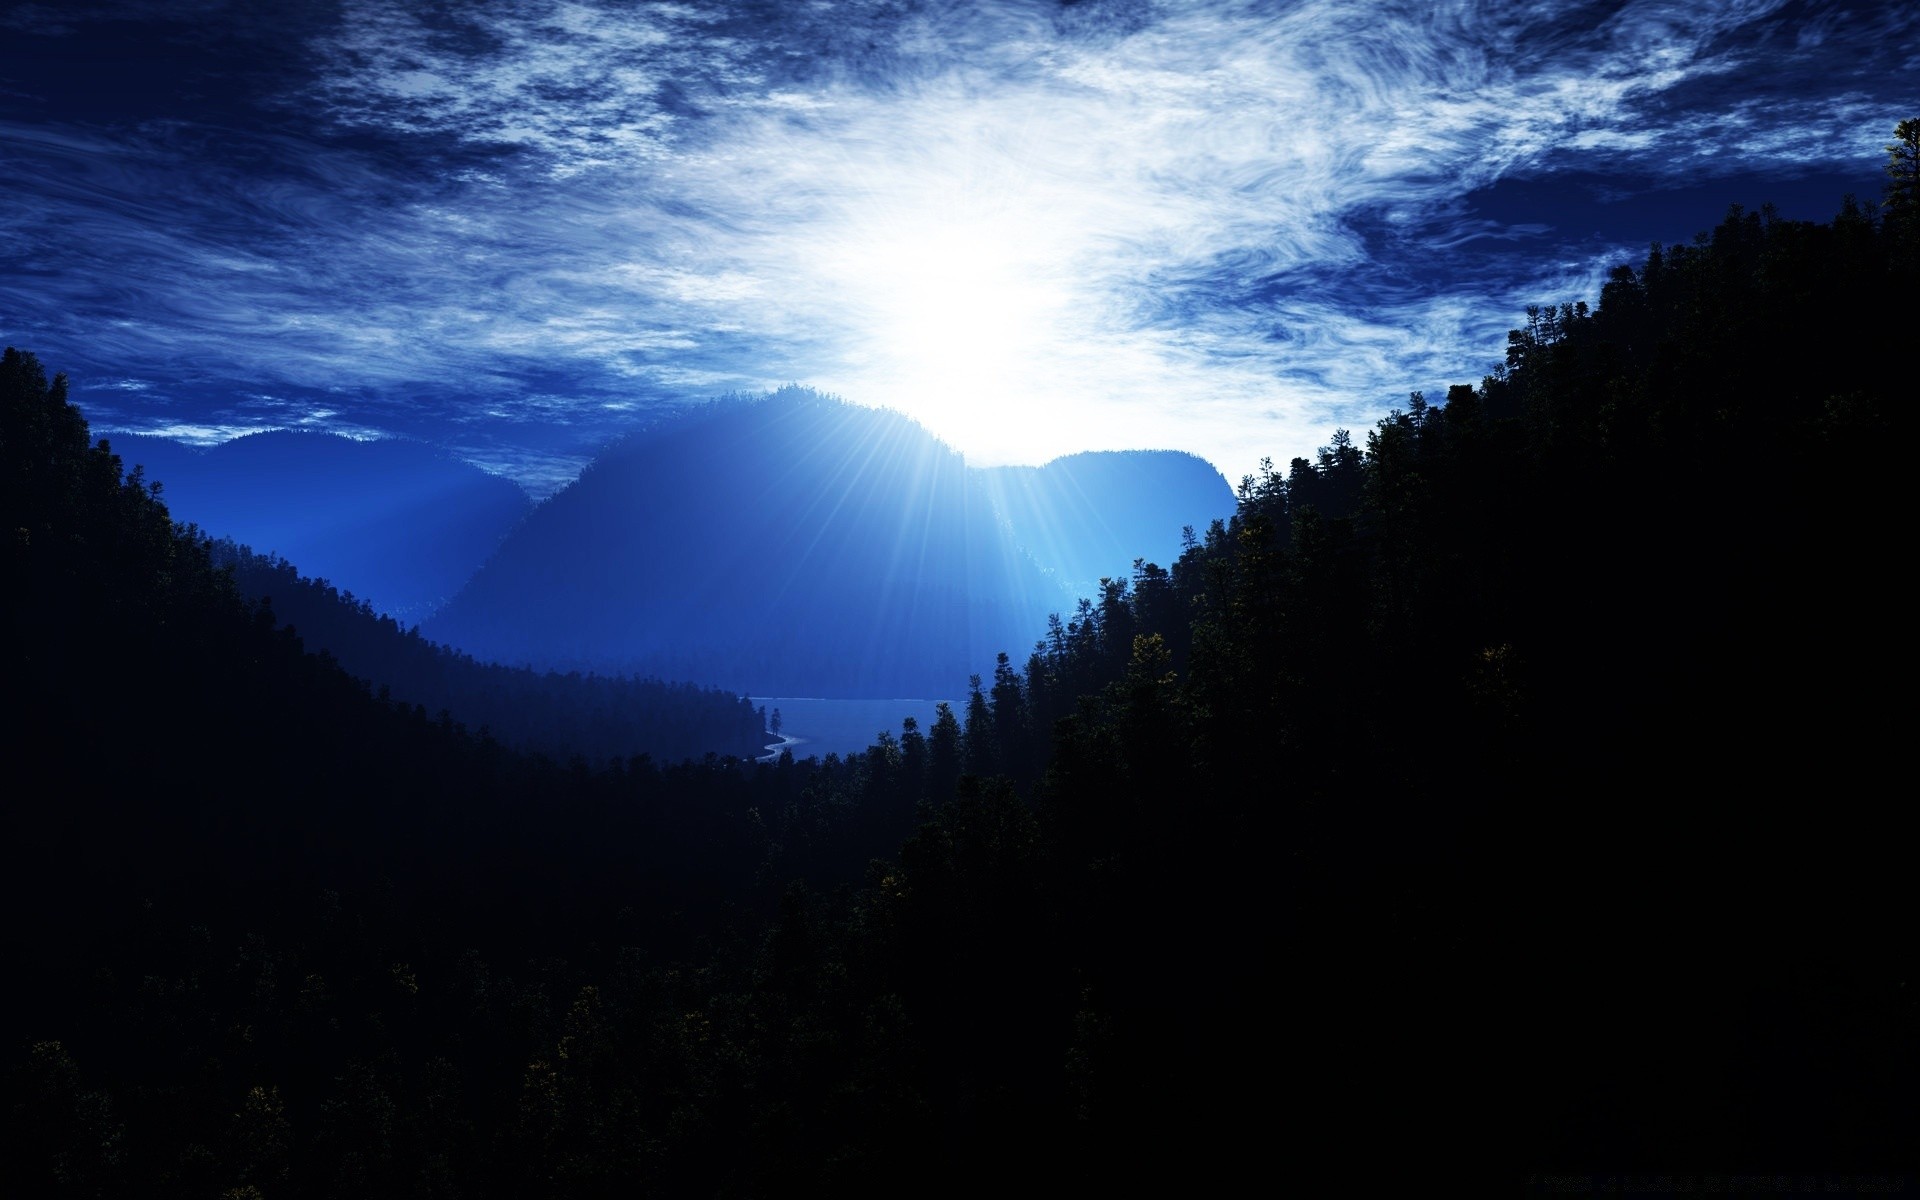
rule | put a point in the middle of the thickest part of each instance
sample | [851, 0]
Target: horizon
[614, 442]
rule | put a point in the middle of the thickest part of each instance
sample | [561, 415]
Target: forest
[1495, 795]
[593, 717]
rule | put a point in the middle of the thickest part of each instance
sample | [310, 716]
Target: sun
[962, 319]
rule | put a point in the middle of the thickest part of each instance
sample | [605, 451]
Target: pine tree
[1903, 168]
[1902, 205]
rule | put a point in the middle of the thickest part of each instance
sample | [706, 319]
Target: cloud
[190, 432]
[1219, 227]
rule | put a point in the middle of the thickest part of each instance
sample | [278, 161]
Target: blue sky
[519, 228]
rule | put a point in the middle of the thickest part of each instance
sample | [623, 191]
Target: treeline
[1491, 795]
[596, 717]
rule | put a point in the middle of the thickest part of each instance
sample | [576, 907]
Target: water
[821, 727]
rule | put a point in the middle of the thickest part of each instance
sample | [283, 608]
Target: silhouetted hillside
[1087, 517]
[1460, 782]
[396, 523]
[595, 716]
[793, 544]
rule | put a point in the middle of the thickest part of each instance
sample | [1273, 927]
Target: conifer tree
[1903, 186]
[1903, 166]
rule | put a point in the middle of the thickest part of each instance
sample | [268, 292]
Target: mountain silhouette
[397, 523]
[595, 716]
[1085, 517]
[792, 544]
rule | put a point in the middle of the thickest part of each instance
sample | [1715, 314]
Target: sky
[520, 228]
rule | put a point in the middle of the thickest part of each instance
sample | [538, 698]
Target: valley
[815, 726]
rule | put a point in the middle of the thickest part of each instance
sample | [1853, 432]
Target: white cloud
[1199, 226]
[191, 432]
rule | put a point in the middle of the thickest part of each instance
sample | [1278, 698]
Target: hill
[1087, 517]
[396, 523]
[792, 544]
[593, 716]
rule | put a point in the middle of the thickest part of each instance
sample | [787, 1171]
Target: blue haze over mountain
[397, 523]
[1086, 517]
[792, 544]
[596, 717]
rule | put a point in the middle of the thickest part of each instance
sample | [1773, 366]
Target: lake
[822, 727]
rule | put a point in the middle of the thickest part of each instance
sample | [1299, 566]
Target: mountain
[169, 727]
[1088, 516]
[397, 523]
[596, 717]
[792, 544]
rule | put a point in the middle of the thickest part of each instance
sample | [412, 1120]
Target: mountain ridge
[788, 544]
[398, 522]
[1089, 516]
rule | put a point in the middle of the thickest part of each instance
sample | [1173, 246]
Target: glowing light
[959, 310]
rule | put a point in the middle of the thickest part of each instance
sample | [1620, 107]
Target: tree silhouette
[1903, 184]
[1903, 163]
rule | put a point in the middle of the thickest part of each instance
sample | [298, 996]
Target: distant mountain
[397, 523]
[792, 544]
[595, 717]
[1086, 517]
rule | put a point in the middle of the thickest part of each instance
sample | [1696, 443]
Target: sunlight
[962, 315]
[962, 312]
[1007, 274]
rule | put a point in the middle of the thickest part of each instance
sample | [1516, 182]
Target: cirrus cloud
[1039, 228]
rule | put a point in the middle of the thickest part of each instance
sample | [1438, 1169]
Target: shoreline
[786, 742]
[811, 727]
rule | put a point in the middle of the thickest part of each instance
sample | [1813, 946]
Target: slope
[787, 545]
[1087, 517]
[397, 523]
[596, 717]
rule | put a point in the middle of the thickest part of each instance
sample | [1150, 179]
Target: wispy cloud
[1218, 227]
[195, 433]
